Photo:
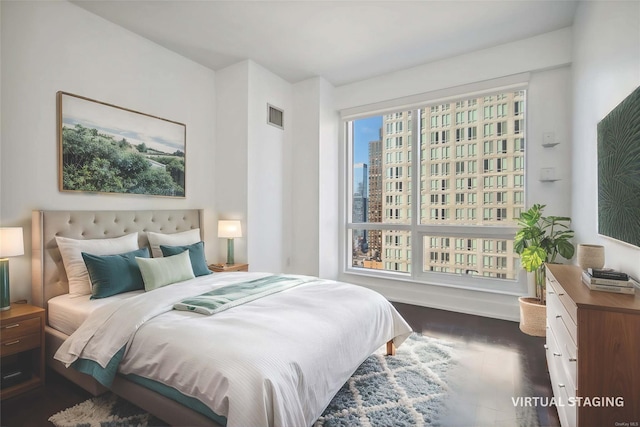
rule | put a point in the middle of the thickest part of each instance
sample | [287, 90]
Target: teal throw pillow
[158, 272]
[196, 253]
[114, 274]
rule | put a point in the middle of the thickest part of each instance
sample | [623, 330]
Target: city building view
[470, 170]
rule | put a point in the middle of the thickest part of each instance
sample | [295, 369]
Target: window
[488, 147]
[501, 164]
[518, 108]
[518, 163]
[518, 126]
[501, 146]
[488, 112]
[501, 128]
[460, 191]
[502, 110]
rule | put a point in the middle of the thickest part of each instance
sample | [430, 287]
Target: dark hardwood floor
[497, 364]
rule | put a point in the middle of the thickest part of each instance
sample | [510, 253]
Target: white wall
[305, 177]
[536, 53]
[269, 170]
[253, 181]
[53, 46]
[231, 171]
[549, 103]
[315, 180]
[546, 58]
[329, 158]
[606, 69]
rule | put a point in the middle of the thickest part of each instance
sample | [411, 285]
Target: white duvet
[276, 361]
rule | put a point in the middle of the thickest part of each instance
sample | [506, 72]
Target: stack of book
[608, 281]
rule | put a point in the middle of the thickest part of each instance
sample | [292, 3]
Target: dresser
[593, 351]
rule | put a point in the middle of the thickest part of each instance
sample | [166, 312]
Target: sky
[160, 134]
[365, 130]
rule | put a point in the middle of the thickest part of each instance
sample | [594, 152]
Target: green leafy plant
[541, 239]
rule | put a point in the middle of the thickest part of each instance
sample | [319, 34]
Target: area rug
[408, 389]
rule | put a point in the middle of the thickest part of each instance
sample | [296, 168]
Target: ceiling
[342, 41]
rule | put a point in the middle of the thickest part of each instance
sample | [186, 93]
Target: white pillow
[175, 239]
[158, 272]
[71, 252]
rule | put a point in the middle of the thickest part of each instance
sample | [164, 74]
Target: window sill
[518, 290]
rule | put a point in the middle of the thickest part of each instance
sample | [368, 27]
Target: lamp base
[5, 300]
[230, 257]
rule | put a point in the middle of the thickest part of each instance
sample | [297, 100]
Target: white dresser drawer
[559, 361]
[563, 392]
[564, 333]
[554, 287]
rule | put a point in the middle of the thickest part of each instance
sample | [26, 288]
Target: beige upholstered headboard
[49, 278]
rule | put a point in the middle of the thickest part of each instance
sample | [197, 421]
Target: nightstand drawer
[12, 330]
[19, 344]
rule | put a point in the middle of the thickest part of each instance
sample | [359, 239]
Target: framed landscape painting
[104, 148]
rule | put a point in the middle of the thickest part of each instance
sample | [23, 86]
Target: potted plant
[540, 239]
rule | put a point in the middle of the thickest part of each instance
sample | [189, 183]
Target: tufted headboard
[49, 278]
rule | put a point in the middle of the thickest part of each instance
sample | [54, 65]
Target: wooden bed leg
[391, 348]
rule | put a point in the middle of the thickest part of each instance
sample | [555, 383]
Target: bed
[259, 364]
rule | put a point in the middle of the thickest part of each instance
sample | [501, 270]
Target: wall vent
[275, 116]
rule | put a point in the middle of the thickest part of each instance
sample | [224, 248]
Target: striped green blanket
[230, 296]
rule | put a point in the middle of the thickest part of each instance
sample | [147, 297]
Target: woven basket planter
[533, 317]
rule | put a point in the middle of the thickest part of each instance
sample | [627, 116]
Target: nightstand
[21, 349]
[223, 268]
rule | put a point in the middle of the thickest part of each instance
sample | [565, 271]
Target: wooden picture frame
[103, 148]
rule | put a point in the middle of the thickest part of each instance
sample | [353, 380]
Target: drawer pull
[551, 292]
[561, 385]
[555, 353]
[573, 359]
[15, 325]
[11, 343]
[561, 294]
[558, 316]
[546, 347]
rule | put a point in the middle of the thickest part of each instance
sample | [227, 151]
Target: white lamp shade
[229, 229]
[11, 242]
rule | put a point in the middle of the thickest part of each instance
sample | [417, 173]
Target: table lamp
[229, 229]
[11, 244]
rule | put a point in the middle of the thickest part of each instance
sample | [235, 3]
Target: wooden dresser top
[570, 278]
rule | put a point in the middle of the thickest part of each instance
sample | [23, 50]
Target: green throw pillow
[158, 272]
[196, 253]
[114, 274]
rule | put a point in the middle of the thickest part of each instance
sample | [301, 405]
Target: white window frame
[421, 231]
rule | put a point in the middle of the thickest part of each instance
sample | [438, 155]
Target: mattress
[66, 313]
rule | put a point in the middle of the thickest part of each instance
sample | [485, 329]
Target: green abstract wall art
[619, 171]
